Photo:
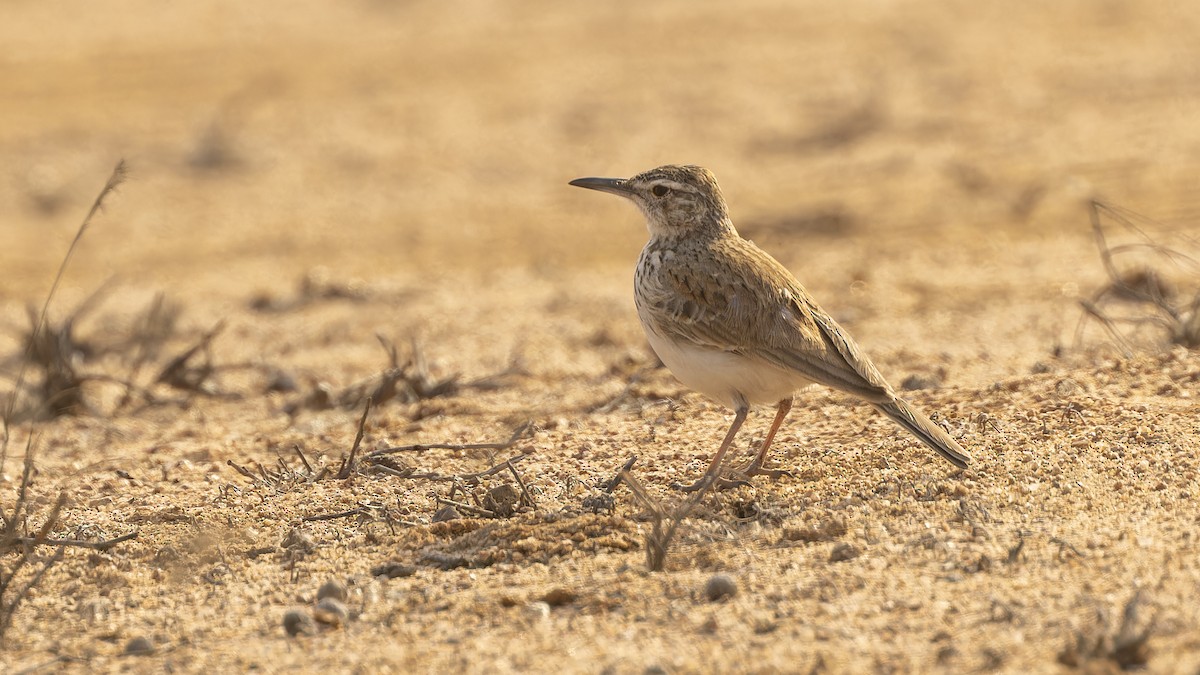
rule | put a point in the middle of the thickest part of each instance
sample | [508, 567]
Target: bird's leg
[714, 469]
[755, 467]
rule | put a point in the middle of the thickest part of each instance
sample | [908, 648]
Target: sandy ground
[317, 176]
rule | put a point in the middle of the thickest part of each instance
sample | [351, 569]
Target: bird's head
[678, 201]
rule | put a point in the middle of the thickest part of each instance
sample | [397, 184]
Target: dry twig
[663, 522]
[610, 485]
[348, 465]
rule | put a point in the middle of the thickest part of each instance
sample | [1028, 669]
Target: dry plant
[49, 381]
[408, 382]
[14, 519]
[151, 329]
[55, 356]
[664, 522]
[1160, 282]
[185, 373]
[283, 477]
[500, 501]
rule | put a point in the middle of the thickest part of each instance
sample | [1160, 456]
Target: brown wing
[751, 305]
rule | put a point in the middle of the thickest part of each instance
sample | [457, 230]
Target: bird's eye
[659, 190]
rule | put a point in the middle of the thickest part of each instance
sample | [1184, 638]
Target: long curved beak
[616, 186]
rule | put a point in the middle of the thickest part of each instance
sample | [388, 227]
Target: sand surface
[312, 179]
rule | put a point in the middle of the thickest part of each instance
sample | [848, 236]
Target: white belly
[725, 377]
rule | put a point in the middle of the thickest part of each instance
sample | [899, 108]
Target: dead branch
[303, 459]
[526, 498]
[242, 470]
[610, 485]
[347, 467]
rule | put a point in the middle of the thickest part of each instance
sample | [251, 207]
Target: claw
[755, 468]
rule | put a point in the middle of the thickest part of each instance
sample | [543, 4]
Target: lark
[732, 323]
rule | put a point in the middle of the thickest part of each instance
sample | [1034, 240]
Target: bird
[731, 322]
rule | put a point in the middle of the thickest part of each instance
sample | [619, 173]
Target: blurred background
[420, 141]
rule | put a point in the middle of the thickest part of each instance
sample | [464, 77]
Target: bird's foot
[719, 484]
[755, 468]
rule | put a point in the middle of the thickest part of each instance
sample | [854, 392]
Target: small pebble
[393, 570]
[502, 500]
[559, 597]
[298, 622]
[599, 503]
[538, 611]
[332, 589]
[445, 513]
[331, 612]
[917, 382]
[139, 646]
[281, 381]
[719, 587]
[299, 540]
[843, 551]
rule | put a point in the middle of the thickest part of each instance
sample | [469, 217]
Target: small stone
[719, 587]
[602, 502]
[281, 381]
[764, 624]
[166, 555]
[537, 611]
[331, 612]
[559, 597]
[918, 382]
[842, 552]
[139, 646]
[445, 513]
[299, 540]
[393, 570]
[298, 622]
[332, 589]
[502, 500]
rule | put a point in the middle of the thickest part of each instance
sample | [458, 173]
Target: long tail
[925, 430]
